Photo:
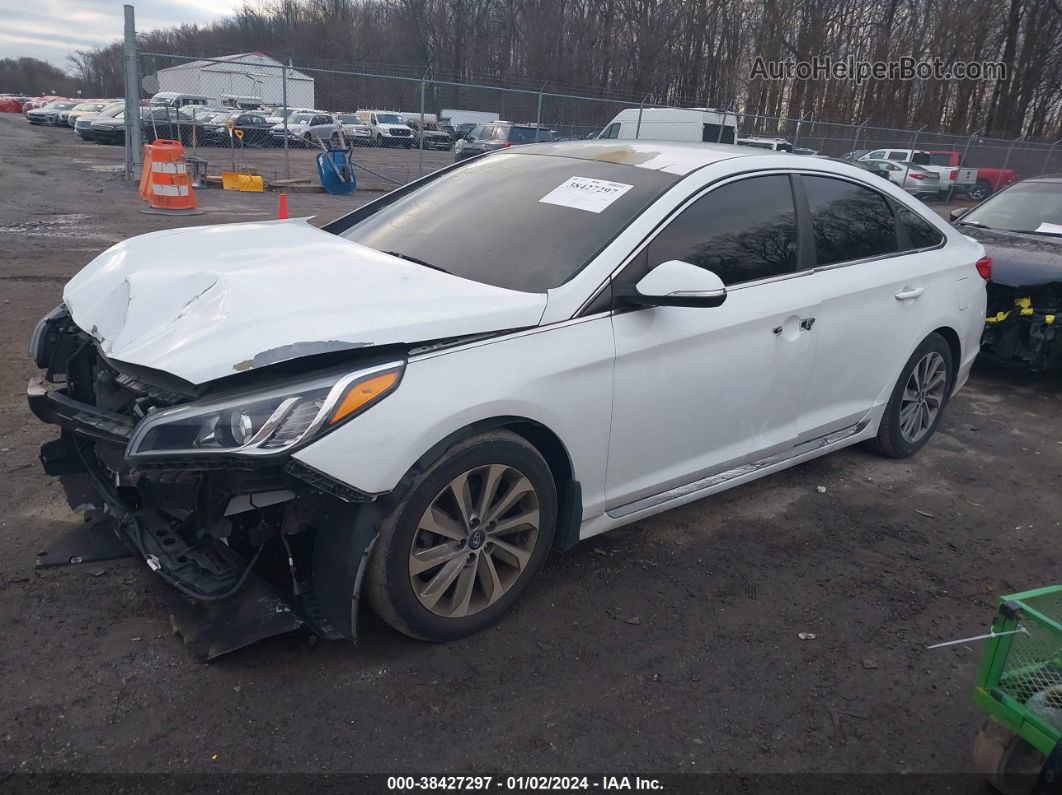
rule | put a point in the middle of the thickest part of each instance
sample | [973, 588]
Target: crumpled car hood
[206, 302]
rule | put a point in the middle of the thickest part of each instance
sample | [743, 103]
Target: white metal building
[249, 74]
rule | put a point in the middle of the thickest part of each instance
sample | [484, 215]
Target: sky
[52, 29]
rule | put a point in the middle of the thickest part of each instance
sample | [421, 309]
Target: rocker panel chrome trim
[704, 484]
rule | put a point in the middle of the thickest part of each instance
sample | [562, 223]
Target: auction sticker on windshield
[584, 193]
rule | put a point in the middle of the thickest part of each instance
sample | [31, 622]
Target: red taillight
[984, 268]
[917, 176]
[954, 174]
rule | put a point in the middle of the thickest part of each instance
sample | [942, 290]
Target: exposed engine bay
[235, 538]
[1022, 327]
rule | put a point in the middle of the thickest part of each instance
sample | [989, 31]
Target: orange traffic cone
[164, 181]
[282, 207]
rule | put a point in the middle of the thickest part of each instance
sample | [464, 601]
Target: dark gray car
[500, 135]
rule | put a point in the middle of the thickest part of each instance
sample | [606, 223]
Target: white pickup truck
[950, 176]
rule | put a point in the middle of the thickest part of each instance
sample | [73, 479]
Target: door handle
[909, 293]
[805, 325]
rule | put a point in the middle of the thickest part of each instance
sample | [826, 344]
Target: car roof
[1054, 179]
[670, 156]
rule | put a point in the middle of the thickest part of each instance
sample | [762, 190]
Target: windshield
[520, 241]
[302, 118]
[388, 118]
[348, 118]
[1025, 207]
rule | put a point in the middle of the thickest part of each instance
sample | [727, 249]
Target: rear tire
[980, 190]
[918, 400]
[443, 569]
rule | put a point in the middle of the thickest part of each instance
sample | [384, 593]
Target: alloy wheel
[923, 397]
[474, 541]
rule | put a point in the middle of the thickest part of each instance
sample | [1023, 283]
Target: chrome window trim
[770, 279]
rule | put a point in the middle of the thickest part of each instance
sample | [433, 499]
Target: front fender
[559, 377]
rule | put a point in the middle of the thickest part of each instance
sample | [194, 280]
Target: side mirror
[958, 213]
[677, 283]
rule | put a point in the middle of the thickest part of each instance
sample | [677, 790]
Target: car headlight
[263, 423]
[39, 342]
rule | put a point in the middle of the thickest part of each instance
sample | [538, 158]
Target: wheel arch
[951, 336]
[547, 443]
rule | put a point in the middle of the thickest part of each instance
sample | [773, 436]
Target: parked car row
[208, 125]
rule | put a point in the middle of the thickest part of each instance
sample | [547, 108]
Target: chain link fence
[252, 112]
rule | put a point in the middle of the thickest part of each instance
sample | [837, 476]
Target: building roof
[253, 59]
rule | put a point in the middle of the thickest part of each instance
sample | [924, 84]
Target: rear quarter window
[920, 233]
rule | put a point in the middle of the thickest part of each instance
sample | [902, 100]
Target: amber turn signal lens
[362, 393]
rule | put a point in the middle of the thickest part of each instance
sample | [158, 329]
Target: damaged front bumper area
[1023, 327]
[252, 547]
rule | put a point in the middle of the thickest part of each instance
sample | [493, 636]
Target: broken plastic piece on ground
[211, 629]
[92, 541]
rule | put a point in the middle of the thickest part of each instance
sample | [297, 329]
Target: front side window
[612, 131]
[850, 222]
[877, 154]
[742, 231]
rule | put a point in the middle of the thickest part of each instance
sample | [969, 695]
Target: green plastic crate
[1018, 667]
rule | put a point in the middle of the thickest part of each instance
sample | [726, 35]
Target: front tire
[465, 540]
[918, 399]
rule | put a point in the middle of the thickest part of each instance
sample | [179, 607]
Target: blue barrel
[336, 172]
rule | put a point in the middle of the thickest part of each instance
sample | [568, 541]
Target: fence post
[420, 155]
[855, 138]
[1050, 154]
[638, 128]
[284, 100]
[962, 161]
[796, 134]
[914, 143]
[134, 141]
[538, 117]
[1011, 149]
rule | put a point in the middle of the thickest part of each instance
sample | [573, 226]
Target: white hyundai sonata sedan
[417, 401]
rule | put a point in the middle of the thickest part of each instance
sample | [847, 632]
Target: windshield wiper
[408, 258]
[974, 223]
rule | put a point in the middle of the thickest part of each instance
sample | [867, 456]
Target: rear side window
[527, 135]
[920, 232]
[718, 133]
[742, 231]
[850, 222]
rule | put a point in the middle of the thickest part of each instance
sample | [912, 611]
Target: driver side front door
[700, 391]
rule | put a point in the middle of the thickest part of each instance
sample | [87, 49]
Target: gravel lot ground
[711, 676]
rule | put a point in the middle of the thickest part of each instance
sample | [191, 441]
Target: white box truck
[706, 125]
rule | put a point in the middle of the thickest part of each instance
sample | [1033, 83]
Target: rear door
[874, 289]
[699, 391]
